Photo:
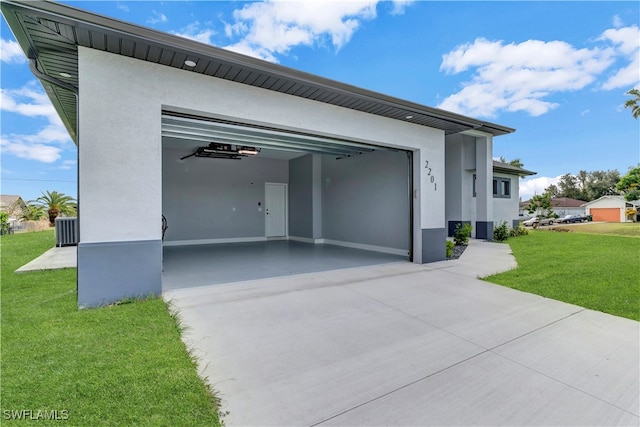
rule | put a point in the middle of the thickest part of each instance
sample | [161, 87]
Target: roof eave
[83, 19]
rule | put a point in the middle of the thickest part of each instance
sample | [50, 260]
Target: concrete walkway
[404, 344]
[54, 259]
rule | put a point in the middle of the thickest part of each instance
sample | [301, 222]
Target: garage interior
[245, 202]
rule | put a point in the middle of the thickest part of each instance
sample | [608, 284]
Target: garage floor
[199, 265]
[402, 344]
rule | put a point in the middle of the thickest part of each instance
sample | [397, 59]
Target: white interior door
[275, 209]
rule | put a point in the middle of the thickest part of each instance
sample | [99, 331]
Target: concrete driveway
[403, 344]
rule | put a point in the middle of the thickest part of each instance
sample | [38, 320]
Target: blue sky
[555, 71]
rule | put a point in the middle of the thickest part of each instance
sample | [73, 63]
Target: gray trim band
[112, 271]
[484, 230]
[433, 244]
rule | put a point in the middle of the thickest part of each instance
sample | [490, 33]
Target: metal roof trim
[507, 168]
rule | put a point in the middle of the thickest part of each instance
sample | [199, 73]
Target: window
[505, 187]
[474, 185]
[502, 188]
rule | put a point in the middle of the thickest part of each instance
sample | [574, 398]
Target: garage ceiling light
[189, 63]
[248, 151]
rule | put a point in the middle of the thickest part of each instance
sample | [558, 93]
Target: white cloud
[399, 6]
[195, 31]
[531, 186]
[11, 52]
[271, 28]
[519, 77]
[27, 101]
[45, 145]
[157, 18]
[39, 152]
[627, 44]
[123, 7]
[68, 164]
[617, 21]
[524, 76]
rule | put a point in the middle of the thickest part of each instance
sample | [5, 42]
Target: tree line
[588, 186]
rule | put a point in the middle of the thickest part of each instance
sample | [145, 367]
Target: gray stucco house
[161, 121]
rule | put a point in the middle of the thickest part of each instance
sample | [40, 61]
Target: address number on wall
[430, 177]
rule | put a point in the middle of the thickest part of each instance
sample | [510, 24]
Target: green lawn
[118, 365]
[600, 272]
[629, 229]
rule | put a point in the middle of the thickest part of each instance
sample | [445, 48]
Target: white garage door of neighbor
[275, 204]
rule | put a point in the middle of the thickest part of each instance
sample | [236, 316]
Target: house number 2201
[432, 179]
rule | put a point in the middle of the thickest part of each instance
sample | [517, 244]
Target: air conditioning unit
[67, 231]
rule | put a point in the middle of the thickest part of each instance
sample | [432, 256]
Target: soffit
[50, 32]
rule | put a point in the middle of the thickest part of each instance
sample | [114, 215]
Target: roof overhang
[509, 169]
[50, 33]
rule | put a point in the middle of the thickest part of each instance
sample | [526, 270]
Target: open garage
[245, 202]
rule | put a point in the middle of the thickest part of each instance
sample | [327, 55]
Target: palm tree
[56, 203]
[515, 162]
[33, 212]
[634, 103]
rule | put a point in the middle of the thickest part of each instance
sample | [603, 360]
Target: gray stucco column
[429, 180]
[120, 185]
[484, 188]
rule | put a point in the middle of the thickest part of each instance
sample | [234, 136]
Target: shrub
[33, 213]
[520, 230]
[4, 223]
[501, 232]
[450, 246]
[462, 233]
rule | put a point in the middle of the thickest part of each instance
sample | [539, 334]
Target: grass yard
[600, 272]
[118, 365]
[629, 229]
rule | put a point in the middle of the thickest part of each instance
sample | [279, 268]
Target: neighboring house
[609, 208]
[13, 205]
[567, 206]
[338, 164]
[462, 187]
[561, 206]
